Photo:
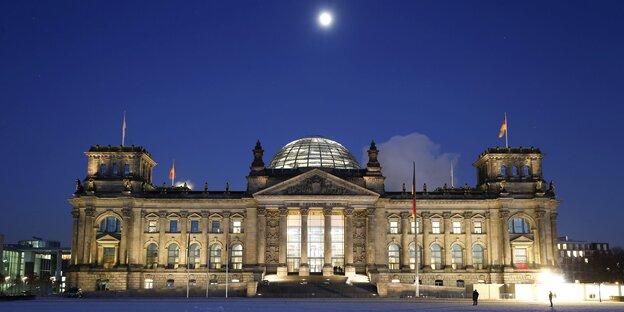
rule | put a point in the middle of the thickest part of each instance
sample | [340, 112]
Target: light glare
[325, 19]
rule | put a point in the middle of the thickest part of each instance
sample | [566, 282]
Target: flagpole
[123, 130]
[452, 176]
[416, 262]
[506, 131]
[188, 253]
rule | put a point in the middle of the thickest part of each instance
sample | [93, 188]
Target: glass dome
[313, 152]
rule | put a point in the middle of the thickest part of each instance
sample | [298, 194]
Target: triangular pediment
[108, 238]
[317, 182]
[522, 239]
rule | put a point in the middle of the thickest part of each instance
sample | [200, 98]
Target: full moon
[325, 19]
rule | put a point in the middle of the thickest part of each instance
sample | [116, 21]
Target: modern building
[35, 261]
[312, 210]
[576, 258]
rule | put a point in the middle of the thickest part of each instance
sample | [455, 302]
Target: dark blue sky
[202, 81]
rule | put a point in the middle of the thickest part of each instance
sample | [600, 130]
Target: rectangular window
[149, 283]
[520, 258]
[115, 169]
[102, 169]
[435, 227]
[394, 227]
[414, 227]
[456, 227]
[215, 226]
[439, 282]
[173, 226]
[293, 242]
[316, 232]
[108, 259]
[152, 226]
[237, 226]
[478, 227]
[127, 169]
[337, 242]
[194, 226]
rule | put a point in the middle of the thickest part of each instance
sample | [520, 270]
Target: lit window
[236, 226]
[316, 242]
[173, 253]
[337, 242]
[108, 259]
[215, 226]
[193, 260]
[456, 227]
[293, 242]
[412, 256]
[415, 227]
[558, 246]
[237, 257]
[173, 226]
[457, 257]
[569, 253]
[477, 257]
[394, 256]
[581, 253]
[520, 258]
[214, 261]
[149, 283]
[478, 227]
[435, 227]
[194, 226]
[152, 226]
[436, 257]
[565, 246]
[394, 227]
[575, 253]
[152, 255]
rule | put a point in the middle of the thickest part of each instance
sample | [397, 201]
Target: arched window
[110, 225]
[457, 256]
[504, 170]
[173, 253]
[102, 169]
[214, 261]
[477, 256]
[237, 257]
[436, 257]
[526, 170]
[394, 257]
[193, 260]
[152, 255]
[514, 171]
[519, 226]
[412, 256]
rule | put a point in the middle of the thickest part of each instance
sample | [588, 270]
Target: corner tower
[118, 168]
[511, 170]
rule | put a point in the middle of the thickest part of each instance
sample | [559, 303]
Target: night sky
[201, 81]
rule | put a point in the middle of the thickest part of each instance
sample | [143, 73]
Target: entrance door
[316, 265]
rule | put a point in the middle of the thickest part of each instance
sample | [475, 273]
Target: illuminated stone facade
[129, 234]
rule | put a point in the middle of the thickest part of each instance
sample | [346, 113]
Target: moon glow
[325, 19]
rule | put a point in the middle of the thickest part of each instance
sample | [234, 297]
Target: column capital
[184, 214]
[405, 214]
[504, 213]
[348, 211]
[327, 211]
[304, 211]
[446, 215]
[370, 211]
[425, 215]
[162, 213]
[76, 213]
[468, 214]
[540, 213]
[553, 215]
[226, 214]
[205, 214]
[261, 211]
[283, 211]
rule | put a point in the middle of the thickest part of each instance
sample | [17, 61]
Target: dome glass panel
[314, 152]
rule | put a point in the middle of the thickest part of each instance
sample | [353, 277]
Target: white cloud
[396, 156]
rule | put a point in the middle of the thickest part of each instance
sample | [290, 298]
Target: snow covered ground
[280, 305]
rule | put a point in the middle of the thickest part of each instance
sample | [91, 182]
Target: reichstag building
[314, 210]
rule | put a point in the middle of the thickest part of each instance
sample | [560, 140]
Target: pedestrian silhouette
[475, 297]
[550, 295]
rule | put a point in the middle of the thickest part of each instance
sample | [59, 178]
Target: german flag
[503, 128]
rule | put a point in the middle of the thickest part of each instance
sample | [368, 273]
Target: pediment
[108, 238]
[316, 182]
[522, 239]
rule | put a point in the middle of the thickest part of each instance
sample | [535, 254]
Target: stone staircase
[317, 287]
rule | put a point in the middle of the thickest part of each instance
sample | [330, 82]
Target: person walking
[475, 297]
[550, 295]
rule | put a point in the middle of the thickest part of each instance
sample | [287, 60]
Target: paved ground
[279, 305]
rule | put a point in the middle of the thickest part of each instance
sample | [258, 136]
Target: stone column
[183, 224]
[551, 239]
[381, 250]
[348, 247]
[370, 239]
[261, 247]
[88, 238]
[426, 229]
[405, 239]
[135, 249]
[203, 239]
[282, 270]
[495, 239]
[162, 239]
[539, 234]
[126, 218]
[468, 237]
[506, 241]
[447, 228]
[251, 238]
[76, 215]
[225, 255]
[304, 267]
[327, 266]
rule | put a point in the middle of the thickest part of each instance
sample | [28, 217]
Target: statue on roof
[79, 188]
